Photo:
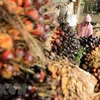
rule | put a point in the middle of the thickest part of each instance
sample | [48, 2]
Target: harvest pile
[27, 20]
[91, 63]
[91, 58]
[24, 26]
[90, 42]
[23, 22]
[59, 81]
[66, 43]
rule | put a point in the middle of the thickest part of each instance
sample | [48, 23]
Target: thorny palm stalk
[16, 22]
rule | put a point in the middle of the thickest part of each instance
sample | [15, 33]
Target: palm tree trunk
[86, 7]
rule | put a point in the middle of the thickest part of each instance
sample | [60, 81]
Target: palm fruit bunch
[90, 59]
[37, 16]
[31, 20]
[90, 42]
[56, 81]
[65, 42]
[22, 24]
[91, 63]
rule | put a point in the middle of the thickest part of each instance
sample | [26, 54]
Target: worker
[85, 28]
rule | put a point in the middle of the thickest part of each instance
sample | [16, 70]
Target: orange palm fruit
[6, 41]
[24, 19]
[54, 35]
[12, 0]
[19, 2]
[27, 3]
[6, 73]
[99, 46]
[16, 68]
[28, 25]
[33, 13]
[19, 10]
[12, 6]
[14, 32]
[57, 40]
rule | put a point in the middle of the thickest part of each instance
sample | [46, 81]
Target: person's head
[87, 20]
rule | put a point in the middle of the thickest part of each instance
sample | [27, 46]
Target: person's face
[86, 23]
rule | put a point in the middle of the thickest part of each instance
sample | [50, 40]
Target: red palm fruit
[95, 74]
[56, 98]
[31, 89]
[99, 46]
[98, 70]
[46, 28]
[20, 53]
[38, 30]
[28, 57]
[42, 75]
[1, 65]
[27, 3]
[54, 22]
[99, 77]
[27, 95]
[16, 33]
[62, 33]
[94, 69]
[10, 67]
[47, 17]
[7, 55]
[38, 3]
[48, 2]
[40, 18]
[33, 13]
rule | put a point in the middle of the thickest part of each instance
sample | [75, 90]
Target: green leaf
[80, 54]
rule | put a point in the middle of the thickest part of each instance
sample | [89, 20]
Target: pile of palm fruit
[24, 26]
[65, 42]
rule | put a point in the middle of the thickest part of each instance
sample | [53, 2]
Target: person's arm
[78, 30]
[91, 30]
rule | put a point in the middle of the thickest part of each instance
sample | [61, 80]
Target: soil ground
[95, 17]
